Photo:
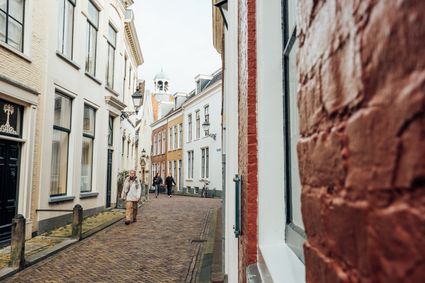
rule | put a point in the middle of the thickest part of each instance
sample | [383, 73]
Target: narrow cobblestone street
[161, 246]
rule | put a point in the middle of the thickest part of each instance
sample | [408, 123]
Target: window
[163, 170]
[66, 27]
[294, 230]
[122, 146]
[159, 143]
[190, 164]
[198, 124]
[124, 78]
[180, 135]
[88, 142]
[176, 140]
[112, 41]
[169, 168]
[60, 143]
[205, 163]
[12, 23]
[207, 116]
[175, 171]
[92, 28]
[163, 141]
[189, 127]
[154, 144]
[128, 148]
[170, 138]
[111, 131]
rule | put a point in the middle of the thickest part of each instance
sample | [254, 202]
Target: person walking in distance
[131, 192]
[157, 181]
[169, 181]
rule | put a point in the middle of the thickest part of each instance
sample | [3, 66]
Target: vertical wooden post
[17, 245]
[77, 222]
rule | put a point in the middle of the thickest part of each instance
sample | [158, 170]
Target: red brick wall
[247, 134]
[362, 151]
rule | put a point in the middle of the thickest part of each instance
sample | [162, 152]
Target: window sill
[280, 264]
[89, 195]
[67, 60]
[189, 180]
[59, 199]
[112, 91]
[15, 51]
[93, 78]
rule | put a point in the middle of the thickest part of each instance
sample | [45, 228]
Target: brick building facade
[336, 90]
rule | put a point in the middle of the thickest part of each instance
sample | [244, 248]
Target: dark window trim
[6, 36]
[294, 235]
[111, 119]
[63, 129]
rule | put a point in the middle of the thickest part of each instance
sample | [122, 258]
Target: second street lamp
[206, 127]
[137, 98]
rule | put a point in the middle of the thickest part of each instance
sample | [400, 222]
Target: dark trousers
[169, 190]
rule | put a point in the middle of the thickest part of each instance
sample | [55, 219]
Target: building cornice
[203, 94]
[114, 102]
[131, 34]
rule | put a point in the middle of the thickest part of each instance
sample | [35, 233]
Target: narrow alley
[164, 245]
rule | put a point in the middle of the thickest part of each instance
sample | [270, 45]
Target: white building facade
[201, 150]
[93, 54]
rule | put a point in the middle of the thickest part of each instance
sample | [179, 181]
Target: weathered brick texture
[248, 134]
[362, 151]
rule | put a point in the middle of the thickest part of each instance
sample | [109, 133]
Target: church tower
[162, 86]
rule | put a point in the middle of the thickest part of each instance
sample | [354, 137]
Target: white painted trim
[281, 264]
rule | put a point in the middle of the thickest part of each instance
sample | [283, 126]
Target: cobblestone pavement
[157, 248]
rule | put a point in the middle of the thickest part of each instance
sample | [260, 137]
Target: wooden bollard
[17, 245]
[77, 222]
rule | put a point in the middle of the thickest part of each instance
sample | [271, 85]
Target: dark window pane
[59, 165]
[89, 120]
[15, 36]
[2, 27]
[62, 111]
[86, 165]
[16, 9]
[93, 14]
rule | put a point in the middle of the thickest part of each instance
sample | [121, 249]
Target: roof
[161, 75]
[205, 84]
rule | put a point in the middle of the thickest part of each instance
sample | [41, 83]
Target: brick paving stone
[157, 248]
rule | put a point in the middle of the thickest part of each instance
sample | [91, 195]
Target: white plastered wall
[280, 263]
[230, 141]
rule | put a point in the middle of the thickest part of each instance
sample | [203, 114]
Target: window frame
[175, 141]
[7, 16]
[189, 128]
[111, 120]
[163, 142]
[68, 131]
[198, 124]
[92, 137]
[110, 45]
[206, 117]
[294, 235]
[91, 26]
[62, 33]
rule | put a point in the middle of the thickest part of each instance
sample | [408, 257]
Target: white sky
[175, 35]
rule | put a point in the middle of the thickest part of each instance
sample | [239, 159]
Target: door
[109, 179]
[9, 172]
[180, 176]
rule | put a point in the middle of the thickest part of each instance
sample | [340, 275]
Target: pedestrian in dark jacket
[169, 181]
[157, 181]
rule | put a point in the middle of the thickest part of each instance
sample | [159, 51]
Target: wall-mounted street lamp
[143, 153]
[222, 6]
[137, 98]
[206, 126]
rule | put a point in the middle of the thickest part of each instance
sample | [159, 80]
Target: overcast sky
[175, 35]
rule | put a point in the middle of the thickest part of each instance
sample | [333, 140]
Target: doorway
[9, 176]
[109, 178]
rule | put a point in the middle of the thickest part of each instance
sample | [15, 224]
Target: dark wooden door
[109, 179]
[9, 172]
